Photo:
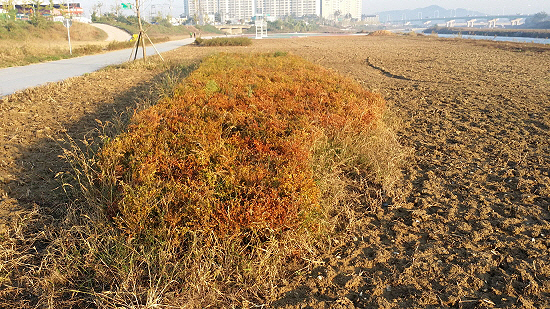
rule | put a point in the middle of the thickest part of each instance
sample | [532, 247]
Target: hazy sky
[369, 6]
[485, 6]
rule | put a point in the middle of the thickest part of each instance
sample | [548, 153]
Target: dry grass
[38, 45]
[17, 53]
[85, 260]
[233, 41]
[115, 45]
[382, 33]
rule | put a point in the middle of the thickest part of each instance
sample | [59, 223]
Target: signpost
[68, 23]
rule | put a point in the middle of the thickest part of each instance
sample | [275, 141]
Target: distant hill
[427, 12]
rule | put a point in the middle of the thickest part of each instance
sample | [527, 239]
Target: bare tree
[116, 8]
[99, 5]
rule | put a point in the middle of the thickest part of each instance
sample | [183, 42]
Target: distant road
[113, 33]
[19, 78]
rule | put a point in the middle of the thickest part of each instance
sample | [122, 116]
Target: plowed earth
[470, 224]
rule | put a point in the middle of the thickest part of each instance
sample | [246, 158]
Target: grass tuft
[239, 41]
[116, 45]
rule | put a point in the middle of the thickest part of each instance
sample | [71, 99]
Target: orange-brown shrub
[231, 151]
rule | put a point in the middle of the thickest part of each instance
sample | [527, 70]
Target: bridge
[233, 29]
[468, 20]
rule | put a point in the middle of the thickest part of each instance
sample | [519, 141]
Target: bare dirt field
[469, 226]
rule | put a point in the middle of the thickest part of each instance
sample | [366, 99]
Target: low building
[371, 19]
[25, 10]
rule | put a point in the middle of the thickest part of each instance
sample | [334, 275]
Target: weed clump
[240, 41]
[382, 33]
[231, 152]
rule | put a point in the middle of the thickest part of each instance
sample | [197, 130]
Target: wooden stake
[140, 31]
[141, 38]
[135, 47]
[153, 46]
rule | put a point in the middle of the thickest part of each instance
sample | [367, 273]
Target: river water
[474, 37]
[497, 38]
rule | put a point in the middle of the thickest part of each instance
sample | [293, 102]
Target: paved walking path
[113, 33]
[19, 78]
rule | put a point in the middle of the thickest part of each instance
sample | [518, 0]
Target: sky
[369, 6]
[485, 6]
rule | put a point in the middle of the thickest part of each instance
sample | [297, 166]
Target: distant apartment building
[371, 19]
[236, 10]
[333, 9]
[244, 10]
[205, 11]
[276, 9]
[185, 9]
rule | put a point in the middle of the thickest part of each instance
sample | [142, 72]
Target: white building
[343, 7]
[236, 10]
[372, 19]
[275, 9]
[206, 10]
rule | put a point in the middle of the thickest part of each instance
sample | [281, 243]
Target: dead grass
[17, 53]
[382, 33]
[50, 44]
[232, 41]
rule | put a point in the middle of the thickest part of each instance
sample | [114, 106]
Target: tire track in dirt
[385, 72]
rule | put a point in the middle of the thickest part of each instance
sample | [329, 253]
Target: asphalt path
[19, 78]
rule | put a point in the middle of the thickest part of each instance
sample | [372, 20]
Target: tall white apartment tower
[228, 9]
[329, 7]
[246, 9]
[281, 8]
[274, 8]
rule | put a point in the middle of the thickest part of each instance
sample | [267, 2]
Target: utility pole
[68, 23]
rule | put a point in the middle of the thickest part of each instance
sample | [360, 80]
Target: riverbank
[526, 33]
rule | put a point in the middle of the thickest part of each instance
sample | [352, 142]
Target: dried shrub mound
[231, 151]
[382, 33]
[240, 41]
